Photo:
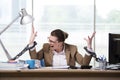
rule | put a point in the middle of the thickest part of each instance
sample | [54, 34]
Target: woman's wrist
[89, 47]
[31, 42]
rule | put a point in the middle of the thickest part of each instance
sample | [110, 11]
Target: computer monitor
[114, 48]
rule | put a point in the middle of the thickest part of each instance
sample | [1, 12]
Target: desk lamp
[25, 19]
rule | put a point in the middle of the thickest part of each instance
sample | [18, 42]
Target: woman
[59, 53]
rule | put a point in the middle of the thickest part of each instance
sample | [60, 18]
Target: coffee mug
[31, 63]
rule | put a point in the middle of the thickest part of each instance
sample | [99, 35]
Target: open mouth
[51, 46]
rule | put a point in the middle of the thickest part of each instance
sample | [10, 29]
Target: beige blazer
[71, 52]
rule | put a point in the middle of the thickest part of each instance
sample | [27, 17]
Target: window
[73, 16]
[15, 37]
[107, 21]
[77, 17]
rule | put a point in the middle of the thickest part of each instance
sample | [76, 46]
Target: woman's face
[54, 43]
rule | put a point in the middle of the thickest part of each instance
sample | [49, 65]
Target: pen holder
[102, 65]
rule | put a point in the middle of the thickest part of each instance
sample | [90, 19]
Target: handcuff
[93, 54]
[24, 50]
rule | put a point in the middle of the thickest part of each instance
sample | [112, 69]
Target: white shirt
[59, 59]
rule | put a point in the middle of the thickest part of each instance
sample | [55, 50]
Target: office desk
[59, 74]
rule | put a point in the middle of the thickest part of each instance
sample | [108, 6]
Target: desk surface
[59, 74]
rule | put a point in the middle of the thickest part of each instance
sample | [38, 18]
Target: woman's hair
[61, 35]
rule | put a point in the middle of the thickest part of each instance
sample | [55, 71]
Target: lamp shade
[25, 17]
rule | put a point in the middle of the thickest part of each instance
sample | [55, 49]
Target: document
[8, 66]
[12, 66]
[60, 67]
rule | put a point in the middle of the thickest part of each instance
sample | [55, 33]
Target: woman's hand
[33, 35]
[89, 40]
